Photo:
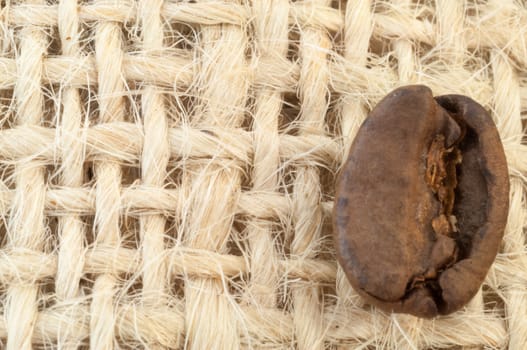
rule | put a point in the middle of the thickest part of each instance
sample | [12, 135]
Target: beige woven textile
[167, 168]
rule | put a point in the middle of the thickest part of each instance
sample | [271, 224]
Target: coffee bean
[421, 203]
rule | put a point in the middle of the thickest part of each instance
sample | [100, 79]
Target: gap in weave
[338, 45]
[290, 114]
[7, 109]
[333, 118]
[132, 41]
[7, 41]
[131, 174]
[90, 106]
[522, 78]
[179, 107]
[380, 6]
[51, 106]
[129, 229]
[338, 5]
[130, 288]
[89, 174]
[171, 236]
[86, 38]
[52, 175]
[125, 343]
[326, 248]
[54, 42]
[133, 104]
[173, 217]
[379, 47]
[287, 183]
[7, 172]
[46, 298]
[236, 287]
[423, 11]
[282, 233]
[473, 9]
[428, 3]
[86, 284]
[524, 128]
[248, 115]
[237, 244]
[89, 229]
[293, 49]
[423, 52]
[327, 175]
[180, 36]
[177, 286]
[51, 223]
[493, 301]
[3, 231]
[174, 177]
[285, 295]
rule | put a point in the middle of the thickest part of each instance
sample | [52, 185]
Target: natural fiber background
[167, 167]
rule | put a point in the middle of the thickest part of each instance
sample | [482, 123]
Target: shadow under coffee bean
[421, 202]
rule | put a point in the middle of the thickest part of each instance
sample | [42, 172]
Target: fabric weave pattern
[168, 167]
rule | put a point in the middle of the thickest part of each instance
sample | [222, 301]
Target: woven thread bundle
[167, 167]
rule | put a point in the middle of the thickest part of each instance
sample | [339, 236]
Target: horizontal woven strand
[22, 266]
[123, 142]
[403, 24]
[176, 69]
[166, 325]
[143, 200]
[209, 13]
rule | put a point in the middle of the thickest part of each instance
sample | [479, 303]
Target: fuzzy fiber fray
[167, 168]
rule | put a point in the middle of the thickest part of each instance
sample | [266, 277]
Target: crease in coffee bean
[442, 163]
[441, 179]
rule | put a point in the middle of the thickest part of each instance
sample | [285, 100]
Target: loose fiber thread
[167, 167]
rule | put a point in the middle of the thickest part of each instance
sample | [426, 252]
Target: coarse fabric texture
[168, 167]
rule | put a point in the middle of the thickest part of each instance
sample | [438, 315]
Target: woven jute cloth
[167, 168]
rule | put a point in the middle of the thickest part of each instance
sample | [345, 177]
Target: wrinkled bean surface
[421, 202]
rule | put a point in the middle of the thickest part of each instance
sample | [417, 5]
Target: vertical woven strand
[26, 225]
[211, 311]
[357, 32]
[307, 211]
[71, 232]
[108, 57]
[71, 228]
[450, 30]
[154, 161]
[271, 29]
[507, 109]
[404, 52]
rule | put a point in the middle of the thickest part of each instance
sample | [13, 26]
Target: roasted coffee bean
[421, 203]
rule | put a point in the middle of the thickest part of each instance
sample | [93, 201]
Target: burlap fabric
[167, 167]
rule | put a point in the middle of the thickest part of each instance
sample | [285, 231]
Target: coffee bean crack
[441, 177]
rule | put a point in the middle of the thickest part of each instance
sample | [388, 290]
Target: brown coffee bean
[421, 202]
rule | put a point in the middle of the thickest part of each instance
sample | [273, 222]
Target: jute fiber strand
[167, 168]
